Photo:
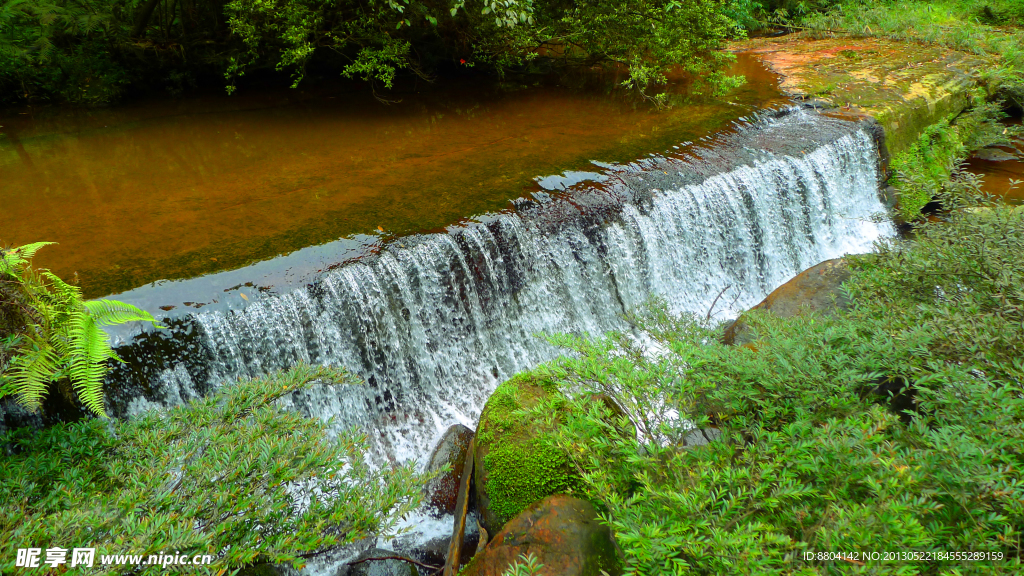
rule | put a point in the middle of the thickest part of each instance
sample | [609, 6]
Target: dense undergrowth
[895, 427]
[223, 476]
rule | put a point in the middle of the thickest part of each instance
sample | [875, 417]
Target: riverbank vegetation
[894, 427]
[232, 476]
[976, 26]
[100, 51]
[931, 167]
[96, 51]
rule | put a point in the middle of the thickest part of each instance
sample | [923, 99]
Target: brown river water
[176, 189]
[1000, 173]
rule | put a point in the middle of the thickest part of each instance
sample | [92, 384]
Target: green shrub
[233, 476]
[91, 51]
[894, 427]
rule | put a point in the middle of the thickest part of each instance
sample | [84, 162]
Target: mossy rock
[516, 462]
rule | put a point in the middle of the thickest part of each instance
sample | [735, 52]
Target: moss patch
[520, 461]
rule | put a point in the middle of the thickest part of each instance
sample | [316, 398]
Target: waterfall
[433, 323]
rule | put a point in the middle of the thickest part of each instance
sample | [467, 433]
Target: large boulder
[815, 290]
[562, 532]
[516, 464]
[442, 492]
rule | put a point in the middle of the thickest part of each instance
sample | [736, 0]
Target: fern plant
[48, 333]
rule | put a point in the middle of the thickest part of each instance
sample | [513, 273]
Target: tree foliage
[48, 333]
[90, 51]
[233, 476]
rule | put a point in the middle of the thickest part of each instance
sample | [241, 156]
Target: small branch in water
[707, 318]
[402, 558]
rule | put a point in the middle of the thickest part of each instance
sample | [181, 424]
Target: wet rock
[442, 492]
[994, 155]
[889, 196]
[435, 550]
[562, 532]
[361, 566]
[815, 290]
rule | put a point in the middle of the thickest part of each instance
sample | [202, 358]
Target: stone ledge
[904, 86]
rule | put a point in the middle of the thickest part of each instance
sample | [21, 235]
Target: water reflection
[1000, 166]
[174, 190]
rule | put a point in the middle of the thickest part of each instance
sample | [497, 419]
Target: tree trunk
[140, 24]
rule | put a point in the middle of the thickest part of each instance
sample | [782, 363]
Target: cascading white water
[434, 325]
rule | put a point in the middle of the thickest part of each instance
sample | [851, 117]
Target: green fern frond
[63, 298]
[17, 258]
[111, 312]
[31, 372]
[89, 352]
[61, 336]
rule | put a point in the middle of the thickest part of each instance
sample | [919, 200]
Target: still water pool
[164, 190]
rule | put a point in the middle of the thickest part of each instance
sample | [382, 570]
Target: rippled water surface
[144, 192]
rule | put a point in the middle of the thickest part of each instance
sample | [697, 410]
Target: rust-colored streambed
[139, 193]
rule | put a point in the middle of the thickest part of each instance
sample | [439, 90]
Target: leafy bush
[233, 476]
[49, 334]
[894, 427]
[62, 49]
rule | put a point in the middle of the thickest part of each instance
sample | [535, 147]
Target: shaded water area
[433, 322]
[1000, 166]
[164, 190]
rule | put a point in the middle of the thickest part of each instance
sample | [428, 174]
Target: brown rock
[856, 76]
[561, 531]
[815, 290]
[443, 491]
[994, 155]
